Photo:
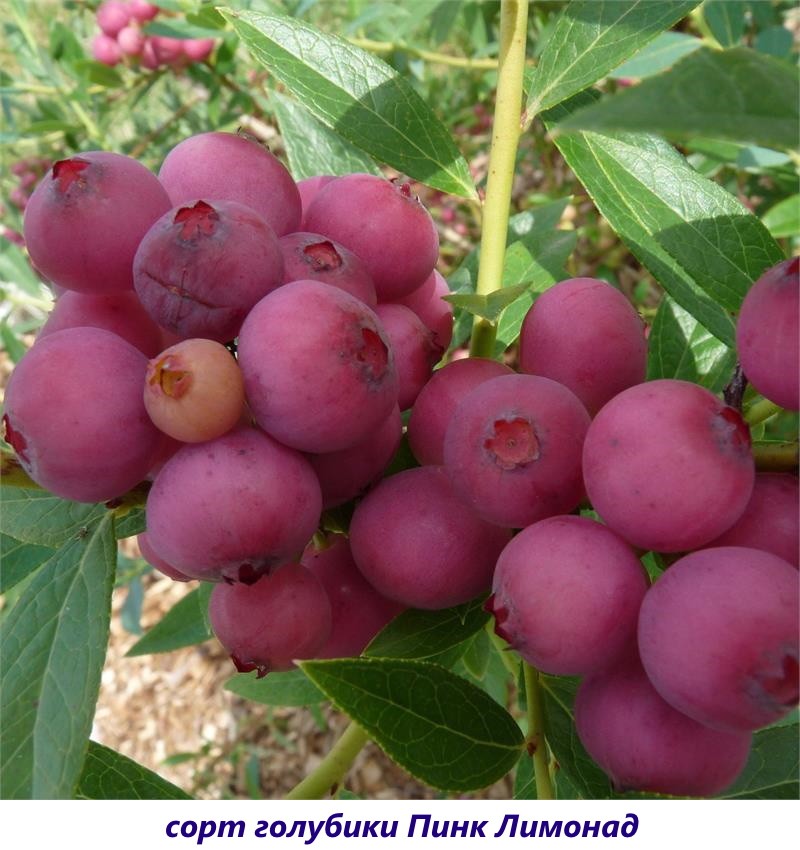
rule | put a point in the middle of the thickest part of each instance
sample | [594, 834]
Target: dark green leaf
[425, 634]
[51, 656]
[680, 347]
[784, 218]
[359, 96]
[525, 780]
[109, 775]
[290, 688]
[590, 39]
[583, 777]
[662, 53]
[312, 148]
[439, 727]
[701, 244]
[735, 94]
[36, 516]
[18, 560]
[771, 772]
[477, 654]
[185, 624]
[14, 346]
[725, 19]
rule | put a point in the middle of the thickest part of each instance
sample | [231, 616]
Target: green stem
[502, 159]
[535, 741]
[332, 768]
[776, 457]
[760, 411]
[384, 47]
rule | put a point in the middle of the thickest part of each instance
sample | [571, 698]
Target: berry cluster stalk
[502, 159]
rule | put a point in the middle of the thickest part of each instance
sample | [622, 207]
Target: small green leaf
[771, 772]
[425, 634]
[735, 94]
[660, 54]
[109, 775]
[311, 148]
[359, 96]
[783, 219]
[726, 20]
[290, 688]
[36, 516]
[439, 727]
[583, 777]
[680, 347]
[489, 306]
[590, 39]
[19, 560]
[185, 624]
[51, 656]
[539, 258]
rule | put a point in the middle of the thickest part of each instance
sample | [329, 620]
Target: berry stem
[333, 767]
[502, 158]
[760, 411]
[535, 740]
[776, 457]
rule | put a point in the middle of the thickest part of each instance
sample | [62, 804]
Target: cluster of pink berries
[328, 289]
[121, 36]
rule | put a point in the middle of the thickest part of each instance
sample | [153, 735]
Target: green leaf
[583, 777]
[735, 94]
[19, 560]
[775, 41]
[130, 524]
[290, 688]
[680, 347]
[540, 258]
[784, 218]
[489, 306]
[439, 727]
[662, 53]
[701, 244]
[525, 780]
[36, 516]
[426, 634]
[185, 624]
[109, 775]
[51, 656]
[725, 19]
[15, 268]
[311, 148]
[14, 346]
[536, 255]
[591, 38]
[359, 96]
[771, 772]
